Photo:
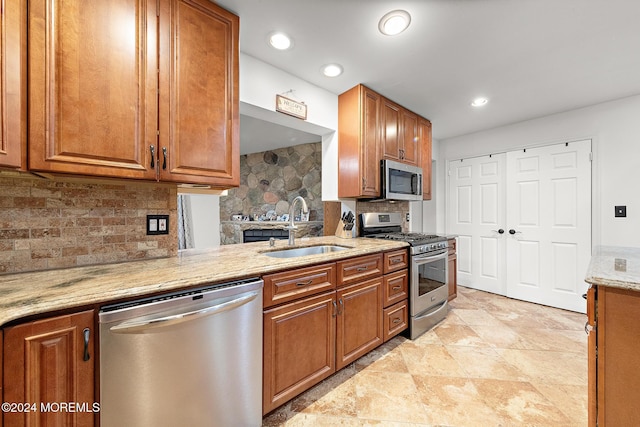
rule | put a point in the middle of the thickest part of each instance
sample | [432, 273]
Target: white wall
[205, 215]
[259, 85]
[614, 128]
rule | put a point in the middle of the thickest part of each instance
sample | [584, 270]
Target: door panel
[543, 196]
[475, 215]
[549, 208]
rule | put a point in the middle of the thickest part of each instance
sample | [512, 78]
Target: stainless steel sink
[309, 250]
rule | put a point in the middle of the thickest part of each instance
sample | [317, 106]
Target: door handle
[512, 232]
[500, 231]
[164, 156]
[153, 156]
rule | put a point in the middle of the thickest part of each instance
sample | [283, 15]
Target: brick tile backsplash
[47, 224]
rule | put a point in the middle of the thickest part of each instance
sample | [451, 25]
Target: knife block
[341, 232]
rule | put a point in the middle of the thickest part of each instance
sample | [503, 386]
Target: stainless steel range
[428, 290]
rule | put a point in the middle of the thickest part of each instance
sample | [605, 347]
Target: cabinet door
[391, 117]
[199, 118]
[424, 134]
[45, 363]
[359, 324]
[618, 375]
[410, 147]
[93, 87]
[370, 151]
[592, 373]
[299, 348]
[452, 268]
[13, 107]
[359, 143]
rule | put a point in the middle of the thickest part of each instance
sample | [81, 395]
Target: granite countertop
[28, 294]
[615, 266]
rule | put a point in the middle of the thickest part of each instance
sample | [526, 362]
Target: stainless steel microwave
[401, 181]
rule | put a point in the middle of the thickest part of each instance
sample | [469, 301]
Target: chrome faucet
[292, 227]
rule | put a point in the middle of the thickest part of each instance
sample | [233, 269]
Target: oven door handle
[434, 310]
[422, 259]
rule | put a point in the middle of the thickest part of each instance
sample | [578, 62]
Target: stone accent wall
[51, 224]
[270, 180]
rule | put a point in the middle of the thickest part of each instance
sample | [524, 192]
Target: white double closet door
[523, 221]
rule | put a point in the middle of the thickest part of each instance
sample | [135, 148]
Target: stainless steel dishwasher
[183, 359]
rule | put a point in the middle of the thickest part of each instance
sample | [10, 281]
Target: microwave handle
[417, 183]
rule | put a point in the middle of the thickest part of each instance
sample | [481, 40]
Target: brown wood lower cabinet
[452, 267]
[299, 347]
[321, 331]
[614, 377]
[359, 324]
[47, 362]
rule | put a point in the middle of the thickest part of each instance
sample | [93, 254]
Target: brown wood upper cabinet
[371, 128]
[140, 89]
[359, 143]
[13, 108]
[400, 140]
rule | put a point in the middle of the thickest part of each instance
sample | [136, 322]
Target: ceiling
[531, 58]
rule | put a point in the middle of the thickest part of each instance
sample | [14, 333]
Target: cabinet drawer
[396, 260]
[395, 319]
[395, 287]
[289, 285]
[357, 269]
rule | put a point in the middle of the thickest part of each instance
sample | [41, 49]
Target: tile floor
[494, 361]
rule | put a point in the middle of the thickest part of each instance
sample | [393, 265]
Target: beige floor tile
[455, 402]
[458, 335]
[431, 360]
[389, 396]
[477, 317]
[548, 367]
[485, 363]
[520, 402]
[502, 337]
[334, 396]
[553, 339]
[570, 399]
[384, 358]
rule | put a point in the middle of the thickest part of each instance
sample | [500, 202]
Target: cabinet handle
[396, 321]
[164, 156]
[587, 328]
[86, 332]
[308, 282]
[335, 309]
[361, 268]
[153, 156]
[396, 261]
[364, 183]
[341, 308]
[397, 288]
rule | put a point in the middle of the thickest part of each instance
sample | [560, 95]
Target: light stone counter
[28, 294]
[615, 266]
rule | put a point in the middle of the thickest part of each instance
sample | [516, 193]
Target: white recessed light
[280, 41]
[332, 70]
[479, 102]
[394, 22]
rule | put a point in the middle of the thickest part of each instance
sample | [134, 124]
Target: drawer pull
[397, 288]
[362, 269]
[308, 282]
[396, 321]
[396, 261]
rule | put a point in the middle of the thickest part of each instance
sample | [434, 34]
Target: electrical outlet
[406, 216]
[621, 211]
[157, 224]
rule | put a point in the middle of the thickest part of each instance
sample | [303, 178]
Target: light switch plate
[621, 211]
[157, 224]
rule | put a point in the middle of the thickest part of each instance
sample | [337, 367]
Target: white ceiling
[531, 58]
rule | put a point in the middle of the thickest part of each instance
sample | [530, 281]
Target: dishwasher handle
[139, 326]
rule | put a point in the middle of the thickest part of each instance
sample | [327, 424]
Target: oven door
[428, 281]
